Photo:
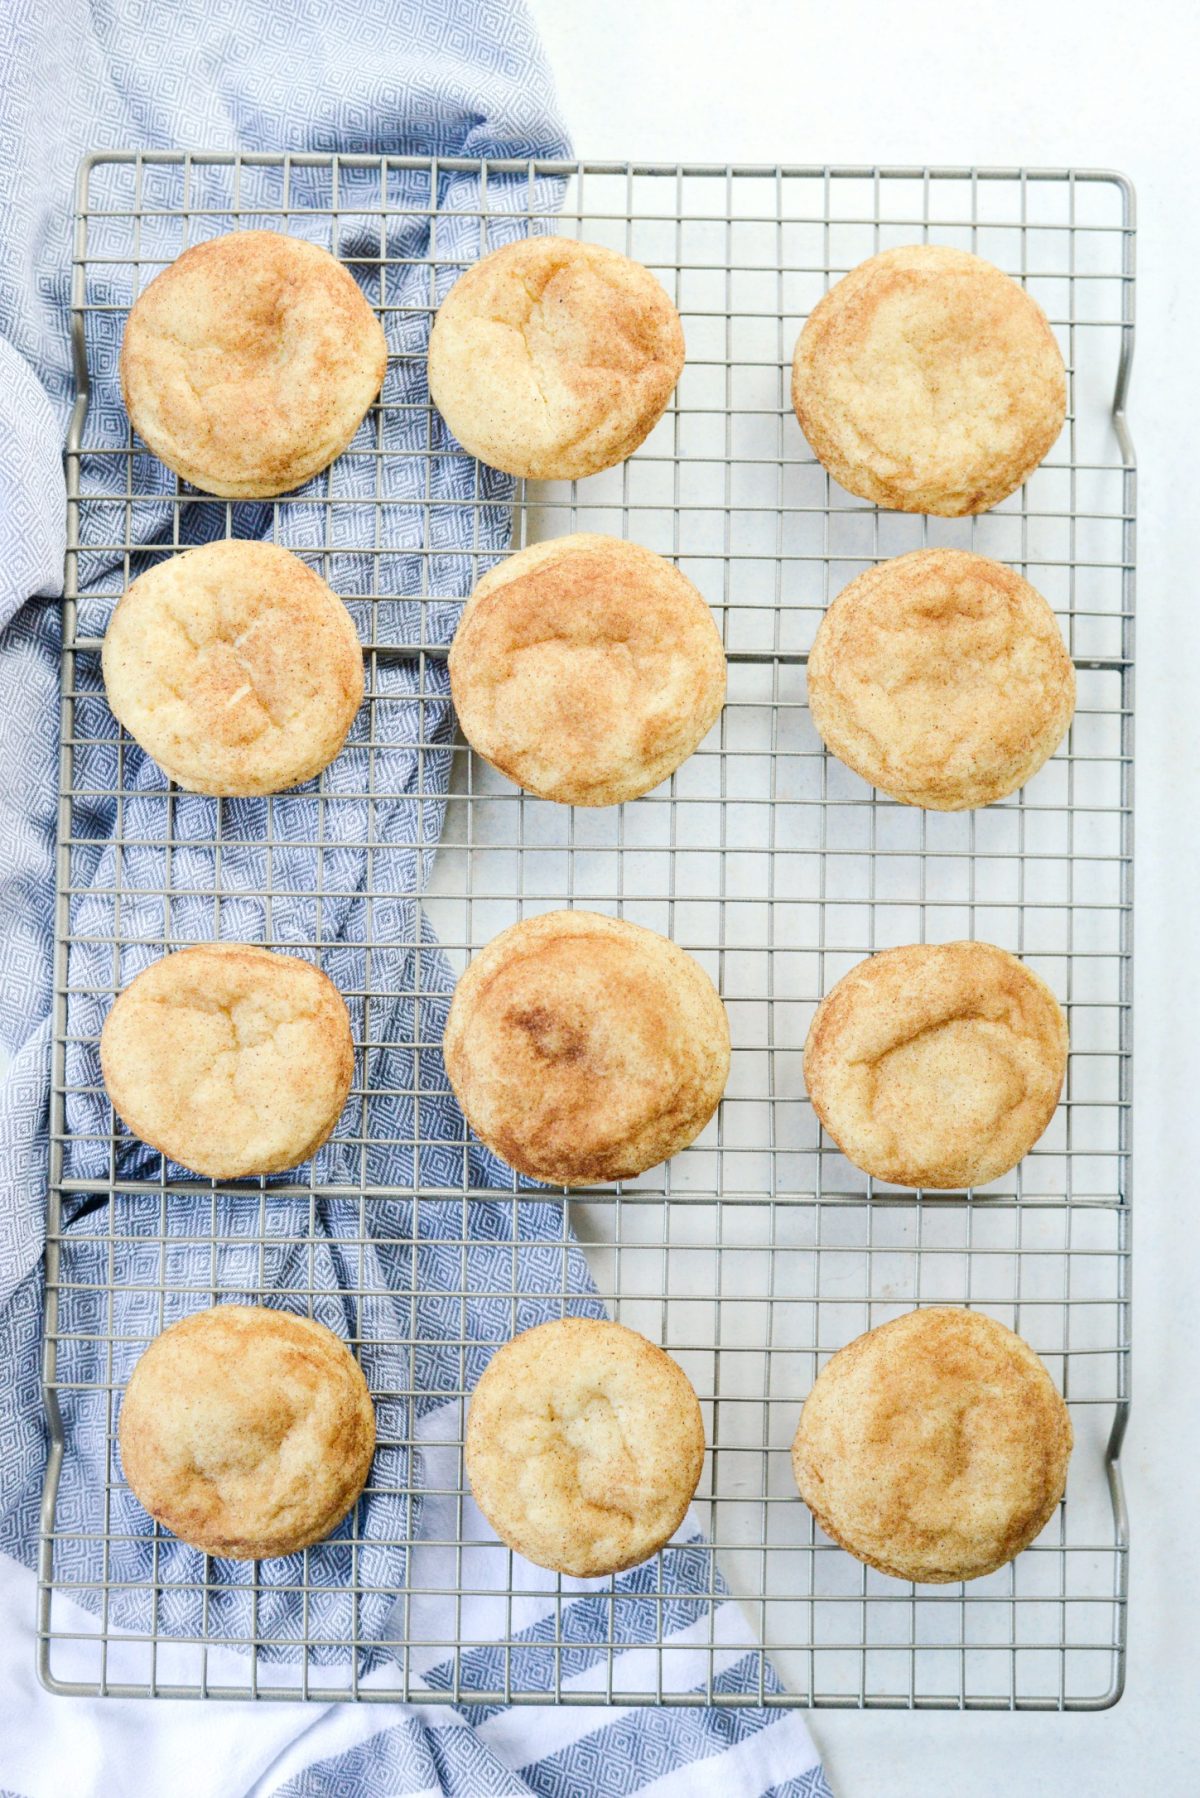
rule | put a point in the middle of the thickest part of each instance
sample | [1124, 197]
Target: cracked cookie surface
[235, 667]
[929, 381]
[586, 669]
[583, 1048]
[935, 1447]
[937, 1065]
[250, 362]
[942, 678]
[584, 1446]
[553, 359]
[229, 1059]
[247, 1432]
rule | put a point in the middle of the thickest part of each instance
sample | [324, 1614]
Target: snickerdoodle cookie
[583, 1048]
[554, 359]
[250, 362]
[937, 1065]
[586, 669]
[942, 678]
[235, 667]
[928, 381]
[231, 1060]
[934, 1447]
[584, 1446]
[248, 1433]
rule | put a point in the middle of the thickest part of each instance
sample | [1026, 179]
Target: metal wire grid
[760, 1250]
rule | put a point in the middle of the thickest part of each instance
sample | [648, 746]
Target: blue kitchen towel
[374, 76]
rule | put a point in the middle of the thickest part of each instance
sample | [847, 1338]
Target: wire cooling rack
[760, 1251]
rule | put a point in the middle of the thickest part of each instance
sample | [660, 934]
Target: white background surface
[1040, 82]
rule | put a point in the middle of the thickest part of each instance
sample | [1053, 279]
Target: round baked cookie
[928, 381]
[586, 669]
[250, 362]
[554, 359]
[235, 667]
[942, 678]
[934, 1447]
[584, 1446]
[248, 1433]
[229, 1059]
[583, 1048]
[937, 1065]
